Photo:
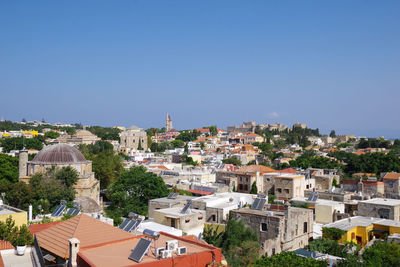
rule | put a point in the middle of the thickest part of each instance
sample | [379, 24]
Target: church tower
[168, 124]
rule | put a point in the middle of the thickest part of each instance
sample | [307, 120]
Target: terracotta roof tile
[5, 245]
[89, 231]
[36, 228]
[392, 175]
[255, 168]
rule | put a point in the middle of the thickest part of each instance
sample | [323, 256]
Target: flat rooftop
[178, 199]
[382, 201]
[349, 223]
[116, 254]
[5, 209]
[176, 212]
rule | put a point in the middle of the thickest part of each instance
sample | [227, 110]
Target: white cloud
[273, 115]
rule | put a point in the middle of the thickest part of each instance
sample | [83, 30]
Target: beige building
[131, 138]
[190, 221]
[288, 186]
[80, 137]
[62, 155]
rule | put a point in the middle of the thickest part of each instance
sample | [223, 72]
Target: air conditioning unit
[166, 254]
[181, 251]
[171, 245]
[159, 252]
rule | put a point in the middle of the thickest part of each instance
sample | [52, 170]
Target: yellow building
[19, 216]
[361, 229]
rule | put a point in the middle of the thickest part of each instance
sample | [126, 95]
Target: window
[384, 213]
[305, 228]
[279, 190]
[273, 251]
[391, 184]
[264, 227]
[286, 191]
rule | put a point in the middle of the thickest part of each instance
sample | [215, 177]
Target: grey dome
[59, 154]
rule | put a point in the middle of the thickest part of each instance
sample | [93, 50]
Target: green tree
[332, 134]
[288, 259]
[67, 175]
[202, 145]
[107, 167]
[8, 168]
[254, 189]
[132, 191]
[328, 246]
[54, 185]
[382, 254]
[177, 144]
[51, 135]
[233, 161]
[140, 145]
[333, 233]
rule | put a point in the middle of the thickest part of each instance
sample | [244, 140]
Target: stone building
[243, 178]
[288, 186]
[371, 188]
[131, 138]
[278, 231]
[62, 155]
[392, 185]
[380, 208]
[80, 137]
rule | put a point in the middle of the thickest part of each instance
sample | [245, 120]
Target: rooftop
[116, 254]
[60, 153]
[349, 223]
[88, 230]
[382, 201]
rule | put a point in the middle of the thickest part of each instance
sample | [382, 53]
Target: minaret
[168, 124]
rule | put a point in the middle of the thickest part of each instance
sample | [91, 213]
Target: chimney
[30, 212]
[23, 160]
[73, 251]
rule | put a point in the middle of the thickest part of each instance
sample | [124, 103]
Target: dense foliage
[373, 142]
[105, 133]
[239, 243]
[382, 254]
[17, 236]
[132, 191]
[376, 162]
[17, 143]
[328, 246]
[187, 136]
[288, 259]
[9, 168]
[309, 159]
[106, 163]
[233, 161]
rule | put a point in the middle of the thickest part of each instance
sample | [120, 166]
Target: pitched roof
[392, 175]
[36, 228]
[88, 230]
[288, 170]
[255, 168]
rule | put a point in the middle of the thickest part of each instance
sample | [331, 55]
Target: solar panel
[310, 197]
[315, 197]
[255, 204]
[124, 224]
[72, 211]
[261, 204]
[130, 225]
[58, 211]
[187, 206]
[140, 250]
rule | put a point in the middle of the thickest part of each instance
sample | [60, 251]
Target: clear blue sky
[330, 64]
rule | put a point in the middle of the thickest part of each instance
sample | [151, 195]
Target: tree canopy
[233, 161]
[288, 259]
[8, 168]
[132, 191]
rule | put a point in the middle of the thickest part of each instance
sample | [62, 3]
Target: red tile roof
[392, 175]
[288, 170]
[36, 228]
[89, 231]
[199, 192]
[5, 245]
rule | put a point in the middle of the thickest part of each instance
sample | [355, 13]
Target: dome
[83, 133]
[60, 153]
[133, 127]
